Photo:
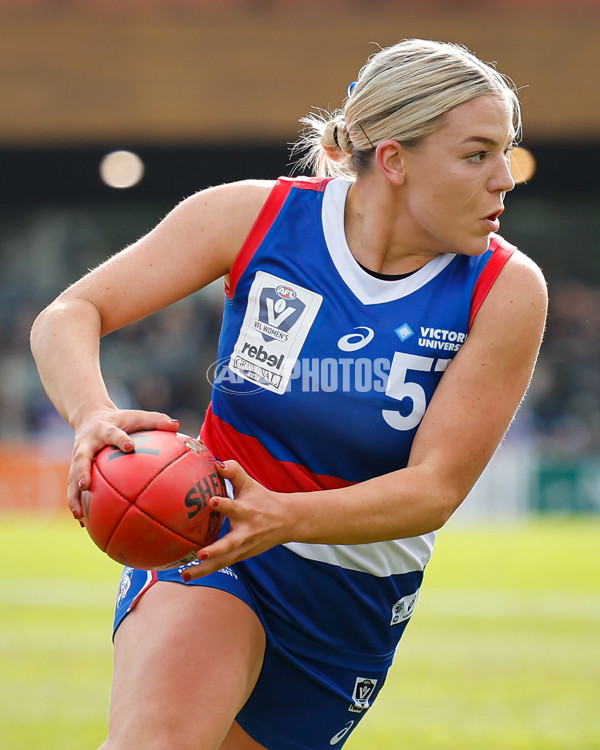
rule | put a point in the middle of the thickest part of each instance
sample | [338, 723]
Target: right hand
[102, 427]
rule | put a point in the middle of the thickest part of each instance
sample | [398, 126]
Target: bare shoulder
[512, 318]
[242, 191]
[525, 274]
[520, 290]
[222, 215]
[243, 199]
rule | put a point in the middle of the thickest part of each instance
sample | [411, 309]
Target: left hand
[259, 519]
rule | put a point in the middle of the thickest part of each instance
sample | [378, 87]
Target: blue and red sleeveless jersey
[323, 377]
[325, 371]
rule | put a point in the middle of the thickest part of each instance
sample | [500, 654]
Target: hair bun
[335, 136]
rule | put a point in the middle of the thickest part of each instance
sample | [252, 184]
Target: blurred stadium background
[209, 91]
[204, 91]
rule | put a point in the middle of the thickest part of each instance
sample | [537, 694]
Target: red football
[148, 509]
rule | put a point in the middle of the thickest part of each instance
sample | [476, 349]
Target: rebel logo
[262, 355]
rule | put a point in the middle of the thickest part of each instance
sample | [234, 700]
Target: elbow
[38, 333]
[442, 515]
[44, 328]
[443, 503]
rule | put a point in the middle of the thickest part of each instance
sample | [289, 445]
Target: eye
[478, 157]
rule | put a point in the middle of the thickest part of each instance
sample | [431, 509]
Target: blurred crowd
[159, 363]
[564, 401]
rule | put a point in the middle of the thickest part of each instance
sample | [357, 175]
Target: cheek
[442, 199]
[443, 204]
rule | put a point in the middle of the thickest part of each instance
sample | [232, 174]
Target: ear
[389, 156]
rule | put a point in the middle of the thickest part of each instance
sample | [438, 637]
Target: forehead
[483, 118]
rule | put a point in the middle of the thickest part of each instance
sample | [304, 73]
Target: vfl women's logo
[364, 688]
[279, 310]
[278, 318]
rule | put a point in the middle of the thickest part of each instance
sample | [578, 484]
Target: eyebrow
[481, 139]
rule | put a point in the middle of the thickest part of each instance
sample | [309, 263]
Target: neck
[377, 234]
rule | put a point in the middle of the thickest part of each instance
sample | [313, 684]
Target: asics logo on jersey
[354, 341]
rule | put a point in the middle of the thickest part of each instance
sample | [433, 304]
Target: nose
[501, 178]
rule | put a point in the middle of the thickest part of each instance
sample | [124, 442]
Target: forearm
[388, 507]
[65, 345]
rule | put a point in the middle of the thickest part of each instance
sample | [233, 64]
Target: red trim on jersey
[263, 223]
[501, 252]
[225, 442]
[310, 183]
[153, 578]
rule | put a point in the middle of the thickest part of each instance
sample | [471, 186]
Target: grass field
[503, 652]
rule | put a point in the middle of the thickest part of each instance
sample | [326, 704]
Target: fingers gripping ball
[149, 508]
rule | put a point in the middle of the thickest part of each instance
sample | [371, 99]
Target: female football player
[378, 337]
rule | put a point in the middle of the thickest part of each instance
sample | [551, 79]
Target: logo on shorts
[339, 736]
[364, 688]
[403, 608]
[124, 585]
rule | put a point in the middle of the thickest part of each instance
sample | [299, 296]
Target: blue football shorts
[305, 698]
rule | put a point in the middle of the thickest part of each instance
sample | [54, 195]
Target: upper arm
[192, 246]
[482, 388]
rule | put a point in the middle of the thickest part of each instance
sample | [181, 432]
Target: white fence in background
[519, 482]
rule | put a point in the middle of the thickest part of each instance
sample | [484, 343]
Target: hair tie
[351, 88]
[335, 138]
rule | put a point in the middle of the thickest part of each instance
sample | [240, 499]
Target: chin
[472, 247]
[478, 246]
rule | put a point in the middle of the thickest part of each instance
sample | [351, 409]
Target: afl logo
[286, 292]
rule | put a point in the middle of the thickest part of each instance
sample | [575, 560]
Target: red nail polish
[186, 576]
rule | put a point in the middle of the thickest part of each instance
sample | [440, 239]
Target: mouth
[493, 219]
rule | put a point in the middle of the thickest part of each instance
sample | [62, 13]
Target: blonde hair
[402, 92]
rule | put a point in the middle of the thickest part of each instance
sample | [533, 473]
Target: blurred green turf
[56, 599]
[502, 653]
[503, 650]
